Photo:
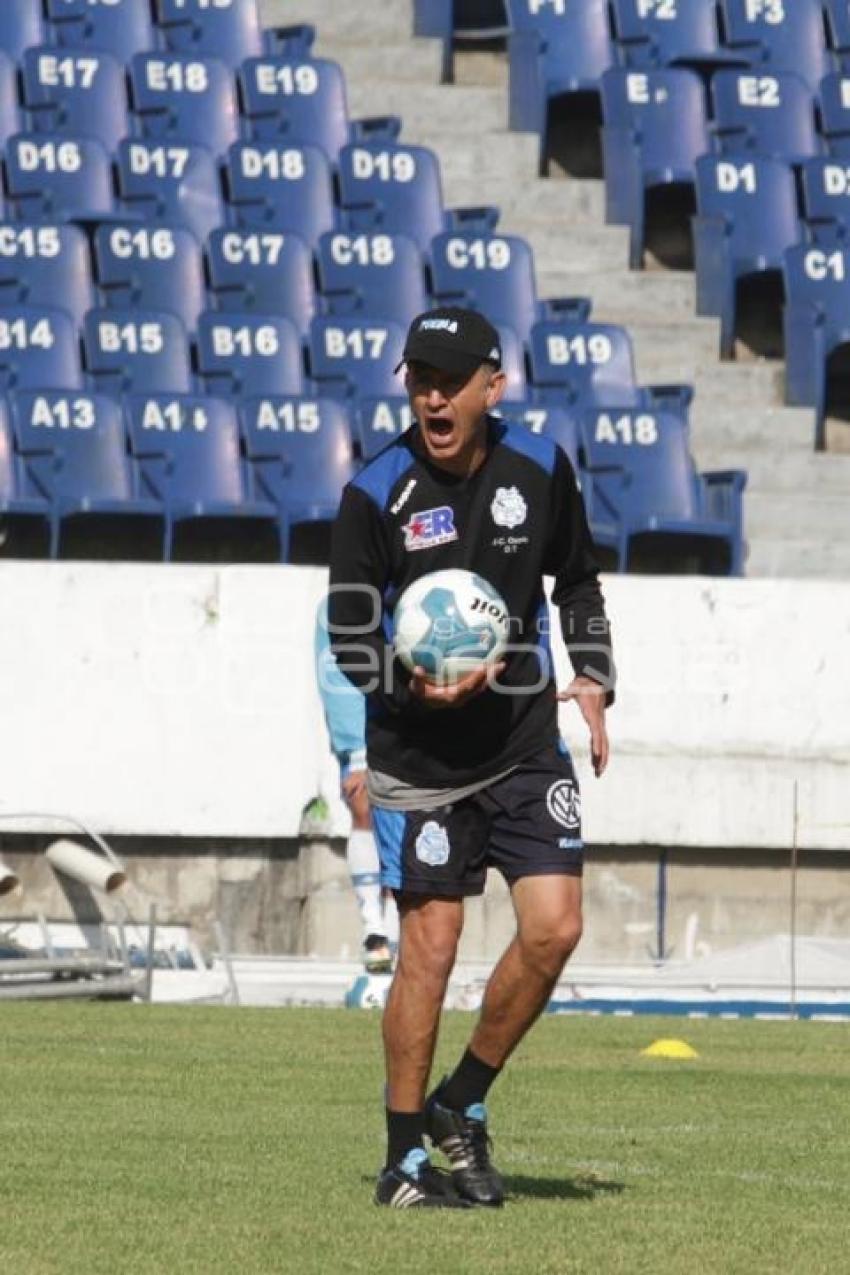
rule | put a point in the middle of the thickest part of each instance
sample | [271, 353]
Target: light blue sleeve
[344, 705]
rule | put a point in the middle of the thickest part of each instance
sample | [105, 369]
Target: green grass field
[164, 1140]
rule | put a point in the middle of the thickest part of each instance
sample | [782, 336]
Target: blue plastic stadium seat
[82, 94]
[826, 199]
[74, 448]
[392, 187]
[375, 275]
[135, 350]
[38, 348]
[838, 26]
[356, 356]
[785, 36]
[170, 183]
[287, 189]
[491, 273]
[671, 33]
[834, 102]
[119, 27]
[21, 28]
[655, 129]
[10, 121]
[553, 49]
[513, 365]
[576, 362]
[52, 176]
[43, 264]
[459, 20]
[302, 454]
[380, 420]
[817, 322]
[764, 113]
[645, 488]
[554, 421]
[262, 272]
[241, 354]
[230, 31]
[295, 102]
[747, 218]
[185, 99]
[188, 449]
[150, 267]
[25, 514]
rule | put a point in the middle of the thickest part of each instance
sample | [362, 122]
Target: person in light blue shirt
[345, 717]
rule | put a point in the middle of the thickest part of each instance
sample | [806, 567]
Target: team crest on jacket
[429, 528]
[432, 845]
[508, 508]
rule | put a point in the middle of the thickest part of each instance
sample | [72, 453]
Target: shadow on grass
[578, 1188]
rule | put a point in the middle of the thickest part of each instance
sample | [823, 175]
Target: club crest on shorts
[564, 804]
[432, 845]
[508, 508]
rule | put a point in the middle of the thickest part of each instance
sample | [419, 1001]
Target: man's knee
[430, 931]
[549, 945]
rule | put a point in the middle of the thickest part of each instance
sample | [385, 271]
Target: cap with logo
[452, 339]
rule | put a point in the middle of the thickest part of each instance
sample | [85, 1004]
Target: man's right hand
[453, 695]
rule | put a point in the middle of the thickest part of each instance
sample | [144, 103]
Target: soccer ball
[449, 623]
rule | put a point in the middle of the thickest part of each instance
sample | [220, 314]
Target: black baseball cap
[453, 339]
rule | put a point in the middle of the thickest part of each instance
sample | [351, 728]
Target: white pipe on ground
[86, 866]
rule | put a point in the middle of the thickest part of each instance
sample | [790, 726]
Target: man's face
[450, 410]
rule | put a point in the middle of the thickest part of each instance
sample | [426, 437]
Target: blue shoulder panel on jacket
[379, 477]
[537, 448]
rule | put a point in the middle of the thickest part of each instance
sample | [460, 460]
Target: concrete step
[391, 20]
[800, 515]
[489, 156]
[481, 66]
[624, 296]
[804, 558]
[775, 432]
[415, 62]
[738, 387]
[539, 201]
[453, 111]
[591, 249]
[794, 473]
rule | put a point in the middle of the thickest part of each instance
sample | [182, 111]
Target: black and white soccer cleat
[463, 1139]
[416, 1184]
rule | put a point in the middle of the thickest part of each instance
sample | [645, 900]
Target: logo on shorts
[564, 804]
[432, 845]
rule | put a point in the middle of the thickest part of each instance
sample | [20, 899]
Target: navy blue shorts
[527, 824]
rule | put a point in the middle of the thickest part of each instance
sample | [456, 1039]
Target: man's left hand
[590, 697]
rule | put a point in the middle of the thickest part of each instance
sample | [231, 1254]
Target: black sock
[468, 1083]
[404, 1133]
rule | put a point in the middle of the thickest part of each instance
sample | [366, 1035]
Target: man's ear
[496, 388]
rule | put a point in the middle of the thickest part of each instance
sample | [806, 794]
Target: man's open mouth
[438, 427]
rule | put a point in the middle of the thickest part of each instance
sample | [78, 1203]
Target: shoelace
[480, 1143]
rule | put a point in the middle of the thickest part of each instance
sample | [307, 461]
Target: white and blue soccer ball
[450, 623]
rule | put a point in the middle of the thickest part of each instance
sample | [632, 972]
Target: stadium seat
[817, 322]
[764, 114]
[134, 350]
[281, 189]
[120, 27]
[645, 487]
[295, 102]
[664, 33]
[301, 452]
[513, 365]
[10, 121]
[22, 27]
[53, 176]
[230, 32]
[491, 273]
[554, 49]
[747, 218]
[838, 26]
[392, 187]
[74, 448]
[80, 94]
[783, 37]
[168, 183]
[25, 514]
[374, 275]
[356, 356]
[826, 199]
[43, 264]
[184, 99]
[262, 272]
[576, 362]
[241, 354]
[188, 449]
[835, 113]
[655, 128]
[379, 421]
[38, 348]
[150, 267]
[559, 423]
[459, 20]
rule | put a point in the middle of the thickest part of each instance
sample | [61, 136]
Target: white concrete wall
[180, 701]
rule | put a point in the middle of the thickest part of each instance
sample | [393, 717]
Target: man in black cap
[473, 774]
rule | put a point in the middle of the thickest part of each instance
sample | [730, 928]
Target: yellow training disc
[669, 1049]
